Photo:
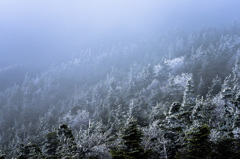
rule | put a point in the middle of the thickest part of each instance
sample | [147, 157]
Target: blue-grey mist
[37, 34]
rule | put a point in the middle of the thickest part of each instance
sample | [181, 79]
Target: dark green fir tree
[197, 144]
[130, 145]
[50, 145]
[30, 150]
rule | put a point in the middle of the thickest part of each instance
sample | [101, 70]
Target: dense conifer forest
[175, 95]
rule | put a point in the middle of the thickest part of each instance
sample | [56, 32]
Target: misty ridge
[120, 80]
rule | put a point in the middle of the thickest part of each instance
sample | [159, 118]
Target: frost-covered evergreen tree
[215, 88]
[67, 146]
[189, 100]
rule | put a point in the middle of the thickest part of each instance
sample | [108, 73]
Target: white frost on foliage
[91, 143]
[236, 133]
[214, 135]
[157, 69]
[153, 85]
[175, 63]
[182, 79]
[81, 118]
[219, 102]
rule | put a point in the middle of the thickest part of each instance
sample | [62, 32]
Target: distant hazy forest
[175, 95]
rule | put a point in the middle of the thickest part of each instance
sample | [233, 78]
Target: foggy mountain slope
[95, 94]
[119, 79]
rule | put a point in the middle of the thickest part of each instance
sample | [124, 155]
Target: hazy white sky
[44, 30]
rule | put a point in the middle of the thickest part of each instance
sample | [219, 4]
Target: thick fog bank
[36, 34]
